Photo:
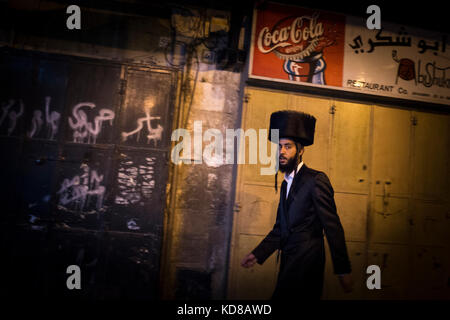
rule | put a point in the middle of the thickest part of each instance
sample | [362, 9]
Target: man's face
[288, 155]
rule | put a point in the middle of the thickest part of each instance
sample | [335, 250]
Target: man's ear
[300, 149]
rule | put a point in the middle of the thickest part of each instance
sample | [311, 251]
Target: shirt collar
[292, 174]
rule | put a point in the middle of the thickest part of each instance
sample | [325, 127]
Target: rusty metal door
[87, 145]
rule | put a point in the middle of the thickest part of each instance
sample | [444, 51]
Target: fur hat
[295, 125]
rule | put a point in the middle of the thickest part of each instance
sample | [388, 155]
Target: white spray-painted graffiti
[153, 133]
[136, 182]
[84, 129]
[13, 115]
[36, 123]
[132, 224]
[80, 188]
[51, 120]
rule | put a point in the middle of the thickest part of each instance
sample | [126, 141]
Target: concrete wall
[200, 230]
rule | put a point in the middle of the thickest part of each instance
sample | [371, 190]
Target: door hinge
[122, 86]
[332, 109]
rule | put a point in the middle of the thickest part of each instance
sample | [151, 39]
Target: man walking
[305, 210]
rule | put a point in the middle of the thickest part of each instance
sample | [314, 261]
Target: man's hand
[346, 281]
[248, 261]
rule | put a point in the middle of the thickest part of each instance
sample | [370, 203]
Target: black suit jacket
[298, 231]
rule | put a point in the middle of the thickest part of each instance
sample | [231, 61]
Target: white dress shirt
[290, 177]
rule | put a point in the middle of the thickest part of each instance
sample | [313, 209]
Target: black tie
[283, 199]
[283, 196]
[283, 191]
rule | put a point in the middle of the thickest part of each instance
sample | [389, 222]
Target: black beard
[289, 166]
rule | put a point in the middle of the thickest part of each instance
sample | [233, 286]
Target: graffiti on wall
[135, 181]
[12, 115]
[80, 189]
[83, 130]
[51, 121]
[37, 122]
[154, 134]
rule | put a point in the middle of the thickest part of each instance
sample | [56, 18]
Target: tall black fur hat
[296, 125]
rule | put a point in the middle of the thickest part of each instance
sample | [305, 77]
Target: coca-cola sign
[298, 44]
[292, 38]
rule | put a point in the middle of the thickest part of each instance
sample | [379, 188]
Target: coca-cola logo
[292, 38]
